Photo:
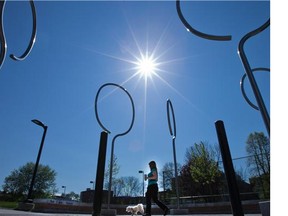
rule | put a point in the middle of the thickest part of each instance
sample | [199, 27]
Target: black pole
[98, 193]
[176, 174]
[229, 170]
[36, 165]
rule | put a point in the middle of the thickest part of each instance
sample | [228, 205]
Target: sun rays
[146, 66]
[146, 62]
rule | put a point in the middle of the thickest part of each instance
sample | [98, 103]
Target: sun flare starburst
[148, 62]
[146, 66]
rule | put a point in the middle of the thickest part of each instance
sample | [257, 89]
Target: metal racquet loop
[96, 109]
[243, 90]
[3, 39]
[169, 106]
[248, 70]
[198, 33]
[32, 39]
[2, 35]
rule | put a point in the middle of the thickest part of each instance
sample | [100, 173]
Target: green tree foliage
[201, 175]
[18, 182]
[258, 147]
[203, 158]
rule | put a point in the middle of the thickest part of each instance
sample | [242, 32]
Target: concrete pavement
[9, 212]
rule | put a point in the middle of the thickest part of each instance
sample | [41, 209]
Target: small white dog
[135, 209]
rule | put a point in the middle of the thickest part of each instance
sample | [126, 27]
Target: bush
[9, 205]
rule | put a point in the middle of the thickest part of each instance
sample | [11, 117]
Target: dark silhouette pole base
[229, 170]
[98, 193]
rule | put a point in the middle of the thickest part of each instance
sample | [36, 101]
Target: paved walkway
[9, 212]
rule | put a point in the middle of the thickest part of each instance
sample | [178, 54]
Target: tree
[73, 196]
[201, 169]
[186, 182]
[167, 174]
[258, 146]
[115, 171]
[127, 186]
[18, 182]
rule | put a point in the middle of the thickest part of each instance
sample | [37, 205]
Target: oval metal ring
[242, 86]
[169, 106]
[32, 39]
[2, 35]
[198, 33]
[96, 109]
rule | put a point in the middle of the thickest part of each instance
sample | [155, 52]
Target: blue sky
[82, 45]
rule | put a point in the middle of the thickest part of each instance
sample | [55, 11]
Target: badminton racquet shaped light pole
[172, 131]
[249, 72]
[117, 135]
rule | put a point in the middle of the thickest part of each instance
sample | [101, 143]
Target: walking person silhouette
[152, 190]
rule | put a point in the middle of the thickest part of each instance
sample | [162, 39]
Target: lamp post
[173, 134]
[64, 190]
[92, 182]
[141, 171]
[35, 121]
[172, 131]
[261, 105]
[118, 135]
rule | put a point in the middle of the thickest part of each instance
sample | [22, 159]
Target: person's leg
[157, 201]
[148, 201]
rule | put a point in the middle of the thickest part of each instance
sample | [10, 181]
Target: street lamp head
[35, 121]
[141, 171]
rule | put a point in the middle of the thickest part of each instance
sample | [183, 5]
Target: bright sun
[146, 66]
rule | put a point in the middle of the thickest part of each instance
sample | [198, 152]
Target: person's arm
[153, 177]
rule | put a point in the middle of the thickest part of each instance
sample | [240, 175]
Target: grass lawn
[9, 205]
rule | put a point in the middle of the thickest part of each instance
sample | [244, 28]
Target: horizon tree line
[200, 175]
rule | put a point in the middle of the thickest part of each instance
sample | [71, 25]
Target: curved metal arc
[251, 34]
[243, 90]
[2, 34]
[32, 39]
[170, 106]
[249, 73]
[96, 110]
[198, 33]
